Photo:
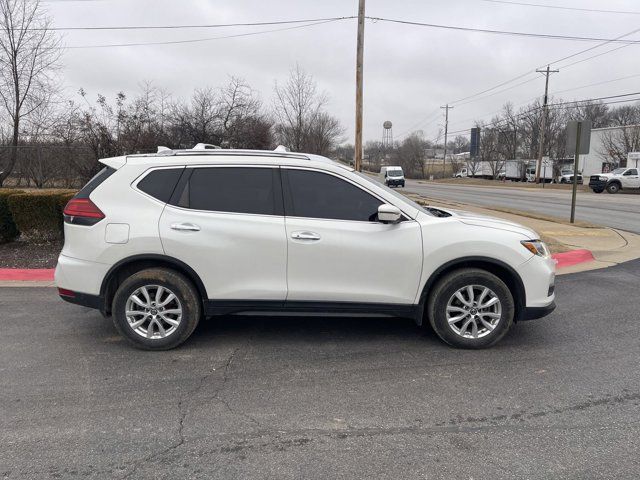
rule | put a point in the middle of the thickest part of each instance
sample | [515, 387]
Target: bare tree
[302, 123]
[29, 52]
[616, 143]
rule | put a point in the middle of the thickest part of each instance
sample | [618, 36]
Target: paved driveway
[618, 211]
[256, 397]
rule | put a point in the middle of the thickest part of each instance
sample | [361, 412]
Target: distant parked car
[619, 179]
[566, 176]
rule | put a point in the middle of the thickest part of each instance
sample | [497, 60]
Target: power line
[614, 99]
[598, 83]
[554, 62]
[376, 19]
[198, 40]
[504, 32]
[180, 27]
[559, 7]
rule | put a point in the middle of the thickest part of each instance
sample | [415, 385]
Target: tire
[613, 188]
[597, 190]
[163, 282]
[499, 315]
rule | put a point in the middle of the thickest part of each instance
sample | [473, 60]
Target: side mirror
[389, 213]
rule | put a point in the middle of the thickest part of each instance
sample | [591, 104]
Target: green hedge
[8, 229]
[38, 214]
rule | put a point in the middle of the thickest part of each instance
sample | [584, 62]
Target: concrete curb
[573, 257]
[26, 274]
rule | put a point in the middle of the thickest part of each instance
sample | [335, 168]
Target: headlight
[604, 179]
[537, 247]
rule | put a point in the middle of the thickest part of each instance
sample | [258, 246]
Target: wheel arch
[497, 267]
[130, 265]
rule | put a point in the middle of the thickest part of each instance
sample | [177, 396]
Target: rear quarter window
[95, 182]
[160, 184]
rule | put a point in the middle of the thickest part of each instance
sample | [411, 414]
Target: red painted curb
[572, 257]
[27, 274]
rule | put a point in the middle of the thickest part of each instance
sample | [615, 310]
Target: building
[609, 149]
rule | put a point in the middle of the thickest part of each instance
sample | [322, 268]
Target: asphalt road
[618, 211]
[285, 398]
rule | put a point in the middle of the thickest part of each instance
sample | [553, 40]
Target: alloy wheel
[473, 311]
[153, 312]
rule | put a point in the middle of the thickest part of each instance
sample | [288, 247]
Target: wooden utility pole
[447, 107]
[359, 60]
[543, 126]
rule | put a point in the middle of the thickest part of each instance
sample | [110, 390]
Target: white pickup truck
[613, 182]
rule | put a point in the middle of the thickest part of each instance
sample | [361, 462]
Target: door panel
[353, 261]
[338, 251]
[237, 256]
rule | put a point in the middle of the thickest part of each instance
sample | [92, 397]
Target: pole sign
[475, 142]
[585, 137]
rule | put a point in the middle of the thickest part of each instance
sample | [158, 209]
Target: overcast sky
[409, 71]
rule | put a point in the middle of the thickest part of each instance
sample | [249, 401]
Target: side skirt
[225, 307]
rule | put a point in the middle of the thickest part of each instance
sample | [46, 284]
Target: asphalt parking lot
[618, 211]
[256, 397]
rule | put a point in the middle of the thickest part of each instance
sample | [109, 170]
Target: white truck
[620, 179]
[482, 169]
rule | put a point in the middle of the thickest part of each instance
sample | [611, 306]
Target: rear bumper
[533, 313]
[83, 299]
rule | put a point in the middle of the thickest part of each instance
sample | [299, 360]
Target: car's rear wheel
[156, 309]
[471, 308]
[613, 188]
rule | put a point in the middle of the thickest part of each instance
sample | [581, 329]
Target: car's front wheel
[613, 188]
[156, 309]
[471, 308]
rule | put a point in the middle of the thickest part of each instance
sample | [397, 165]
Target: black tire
[187, 295]
[613, 187]
[448, 286]
[598, 190]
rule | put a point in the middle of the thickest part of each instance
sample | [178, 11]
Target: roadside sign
[475, 142]
[585, 137]
[633, 159]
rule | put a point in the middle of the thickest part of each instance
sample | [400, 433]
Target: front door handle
[185, 227]
[305, 236]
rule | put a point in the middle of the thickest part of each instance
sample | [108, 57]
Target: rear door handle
[185, 227]
[305, 236]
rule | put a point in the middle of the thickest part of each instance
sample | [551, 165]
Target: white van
[392, 176]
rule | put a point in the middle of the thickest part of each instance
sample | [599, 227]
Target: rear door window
[251, 190]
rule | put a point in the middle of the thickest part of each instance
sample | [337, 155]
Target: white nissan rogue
[159, 241]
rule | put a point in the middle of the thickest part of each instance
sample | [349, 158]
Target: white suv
[160, 241]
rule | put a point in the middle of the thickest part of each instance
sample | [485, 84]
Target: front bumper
[395, 182]
[597, 184]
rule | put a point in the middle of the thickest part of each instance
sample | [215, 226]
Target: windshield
[394, 173]
[619, 171]
[394, 193]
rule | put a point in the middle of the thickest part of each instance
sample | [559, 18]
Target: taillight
[82, 211]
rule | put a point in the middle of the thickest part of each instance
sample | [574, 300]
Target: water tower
[387, 134]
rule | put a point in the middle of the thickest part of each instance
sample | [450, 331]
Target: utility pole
[359, 61]
[545, 114]
[447, 107]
